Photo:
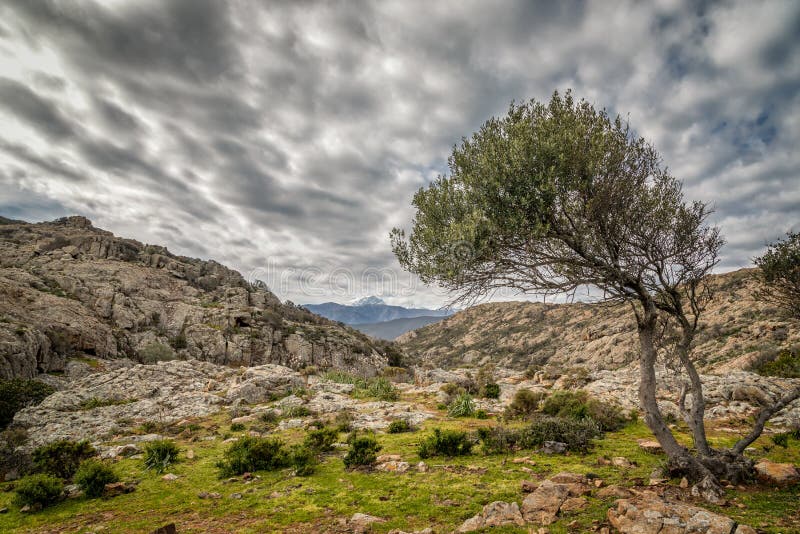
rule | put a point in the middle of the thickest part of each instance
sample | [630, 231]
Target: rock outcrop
[68, 288]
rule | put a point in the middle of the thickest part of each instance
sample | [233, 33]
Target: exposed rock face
[736, 328]
[649, 514]
[494, 514]
[777, 474]
[68, 288]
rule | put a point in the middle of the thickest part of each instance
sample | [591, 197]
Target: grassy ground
[450, 492]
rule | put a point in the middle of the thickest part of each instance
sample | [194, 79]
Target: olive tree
[779, 272]
[557, 197]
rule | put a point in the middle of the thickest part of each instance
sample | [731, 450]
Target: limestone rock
[649, 514]
[494, 514]
[542, 505]
[776, 473]
[360, 523]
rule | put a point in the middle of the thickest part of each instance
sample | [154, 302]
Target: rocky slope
[737, 331]
[69, 289]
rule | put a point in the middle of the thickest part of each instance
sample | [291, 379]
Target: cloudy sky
[285, 139]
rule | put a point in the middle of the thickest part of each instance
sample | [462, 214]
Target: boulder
[361, 523]
[541, 506]
[647, 513]
[494, 514]
[553, 447]
[777, 474]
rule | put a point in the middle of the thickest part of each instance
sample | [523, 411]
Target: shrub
[321, 440]
[376, 388]
[491, 391]
[303, 460]
[16, 394]
[237, 427]
[577, 434]
[253, 454]
[445, 443]
[362, 452]
[296, 411]
[781, 440]
[398, 426]
[461, 406]
[39, 490]
[481, 414]
[92, 477]
[61, 458]
[498, 440]
[786, 365]
[578, 405]
[156, 352]
[343, 421]
[160, 454]
[524, 403]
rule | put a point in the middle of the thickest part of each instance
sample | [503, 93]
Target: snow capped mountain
[372, 300]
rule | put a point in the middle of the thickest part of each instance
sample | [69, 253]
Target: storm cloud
[286, 139]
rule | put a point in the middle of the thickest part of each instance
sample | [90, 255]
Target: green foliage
[61, 458]
[481, 414]
[17, 393]
[445, 443]
[303, 460]
[296, 411]
[156, 352]
[92, 477]
[779, 271]
[491, 391]
[577, 434]
[237, 427]
[343, 422]
[39, 490]
[160, 454]
[322, 439]
[362, 452]
[524, 403]
[250, 453]
[786, 365]
[461, 406]
[398, 426]
[376, 388]
[781, 440]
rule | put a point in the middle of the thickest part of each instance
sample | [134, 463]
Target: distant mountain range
[374, 317]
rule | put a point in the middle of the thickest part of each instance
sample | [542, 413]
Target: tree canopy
[779, 269]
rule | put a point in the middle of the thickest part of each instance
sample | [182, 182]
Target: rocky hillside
[68, 289]
[737, 331]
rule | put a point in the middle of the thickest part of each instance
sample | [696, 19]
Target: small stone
[422, 467]
[553, 447]
[170, 476]
[360, 523]
[777, 474]
[25, 509]
[529, 486]
[684, 483]
[236, 495]
[621, 461]
[3, 510]
[388, 458]
[247, 476]
[190, 454]
[651, 446]
[598, 482]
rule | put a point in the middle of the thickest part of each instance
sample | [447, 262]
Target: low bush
[461, 406]
[379, 388]
[577, 434]
[445, 443]
[156, 352]
[343, 422]
[237, 427]
[524, 403]
[92, 477]
[250, 454]
[322, 439]
[781, 440]
[39, 490]
[302, 459]
[362, 452]
[398, 426]
[491, 391]
[499, 440]
[160, 454]
[16, 394]
[296, 411]
[61, 458]
[786, 365]
[578, 405]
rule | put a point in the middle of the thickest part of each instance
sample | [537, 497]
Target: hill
[370, 310]
[389, 330]
[70, 290]
[736, 331]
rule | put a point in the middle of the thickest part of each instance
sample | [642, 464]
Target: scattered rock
[777, 474]
[573, 504]
[621, 461]
[360, 523]
[684, 483]
[388, 458]
[649, 514]
[650, 446]
[542, 505]
[615, 491]
[169, 477]
[393, 467]
[529, 486]
[207, 495]
[118, 488]
[553, 447]
[124, 451]
[494, 514]
[236, 496]
[166, 529]
[422, 467]
[3, 510]
[190, 454]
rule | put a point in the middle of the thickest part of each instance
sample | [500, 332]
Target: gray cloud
[291, 135]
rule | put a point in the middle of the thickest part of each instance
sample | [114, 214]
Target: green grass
[279, 502]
